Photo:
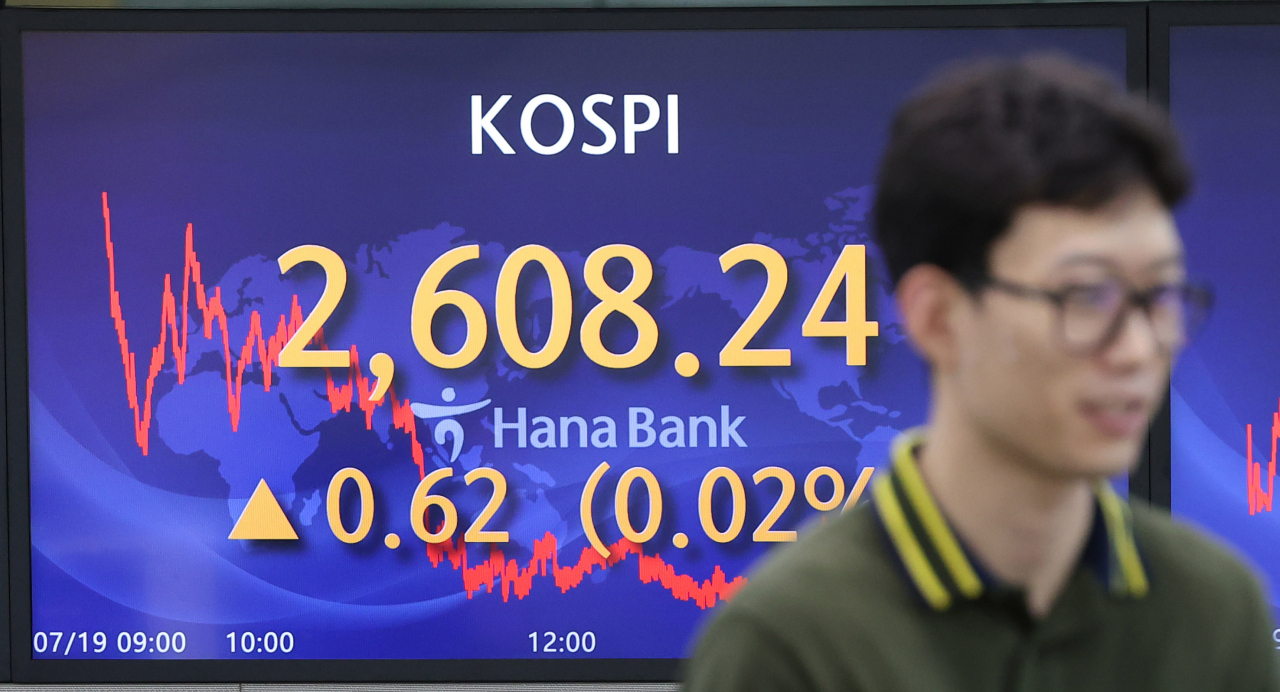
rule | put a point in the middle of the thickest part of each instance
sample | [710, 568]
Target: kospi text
[640, 113]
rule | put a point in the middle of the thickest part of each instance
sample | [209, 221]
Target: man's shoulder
[1189, 567]
[1208, 607]
[831, 570]
[808, 613]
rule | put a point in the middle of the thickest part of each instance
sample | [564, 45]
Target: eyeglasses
[1091, 316]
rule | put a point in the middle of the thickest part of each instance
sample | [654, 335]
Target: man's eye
[1098, 297]
[1166, 297]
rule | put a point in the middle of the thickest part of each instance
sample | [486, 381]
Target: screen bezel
[1130, 17]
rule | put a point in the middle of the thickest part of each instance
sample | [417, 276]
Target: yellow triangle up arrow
[262, 519]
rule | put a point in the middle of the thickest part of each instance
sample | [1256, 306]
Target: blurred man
[1024, 215]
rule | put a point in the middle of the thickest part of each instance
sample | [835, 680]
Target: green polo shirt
[885, 598]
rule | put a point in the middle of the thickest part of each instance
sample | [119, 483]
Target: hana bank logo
[448, 428]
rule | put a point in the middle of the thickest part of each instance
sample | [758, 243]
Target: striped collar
[940, 568]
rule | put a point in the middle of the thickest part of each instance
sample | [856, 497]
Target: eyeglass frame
[1133, 297]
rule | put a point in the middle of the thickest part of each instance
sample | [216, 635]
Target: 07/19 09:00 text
[66, 643]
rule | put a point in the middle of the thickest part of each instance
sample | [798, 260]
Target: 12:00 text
[572, 642]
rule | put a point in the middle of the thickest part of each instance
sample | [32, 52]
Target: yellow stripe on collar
[1115, 512]
[944, 541]
[904, 539]
[937, 563]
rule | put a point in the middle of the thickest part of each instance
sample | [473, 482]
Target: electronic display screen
[468, 345]
[1225, 400]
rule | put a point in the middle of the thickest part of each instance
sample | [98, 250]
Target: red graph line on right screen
[1259, 499]
[496, 571]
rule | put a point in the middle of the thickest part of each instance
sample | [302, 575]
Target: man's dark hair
[981, 141]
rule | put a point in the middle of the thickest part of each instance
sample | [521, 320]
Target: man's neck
[1027, 527]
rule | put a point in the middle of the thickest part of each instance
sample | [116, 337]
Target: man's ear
[928, 298]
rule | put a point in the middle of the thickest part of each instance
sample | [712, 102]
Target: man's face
[1071, 411]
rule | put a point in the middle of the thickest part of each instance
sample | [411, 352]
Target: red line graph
[510, 577]
[1259, 499]
[507, 575]
[173, 333]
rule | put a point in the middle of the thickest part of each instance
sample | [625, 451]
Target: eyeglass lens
[1093, 315]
